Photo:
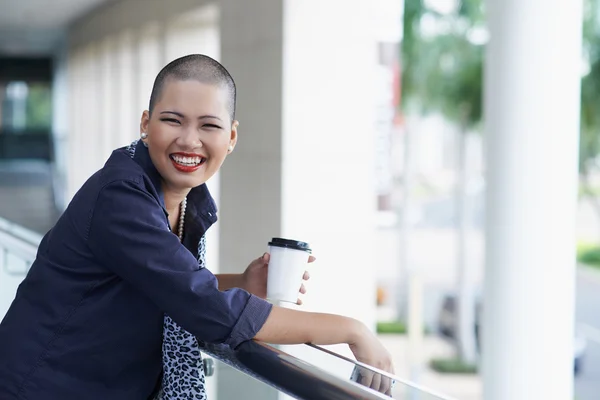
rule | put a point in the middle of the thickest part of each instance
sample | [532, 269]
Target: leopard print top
[183, 370]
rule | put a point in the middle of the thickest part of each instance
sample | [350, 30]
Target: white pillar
[108, 96]
[128, 120]
[303, 167]
[60, 123]
[150, 62]
[532, 125]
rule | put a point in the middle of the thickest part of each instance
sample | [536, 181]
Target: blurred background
[363, 130]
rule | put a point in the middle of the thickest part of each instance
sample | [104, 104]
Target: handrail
[405, 382]
[280, 370]
[301, 379]
[289, 374]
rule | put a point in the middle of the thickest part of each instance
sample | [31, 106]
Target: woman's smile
[187, 162]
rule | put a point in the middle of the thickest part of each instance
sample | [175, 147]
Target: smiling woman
[191, 115]
[119, 297]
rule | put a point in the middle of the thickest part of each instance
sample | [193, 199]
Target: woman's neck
[173, 199]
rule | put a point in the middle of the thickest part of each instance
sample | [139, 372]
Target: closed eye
[171, 120]
[211, 126]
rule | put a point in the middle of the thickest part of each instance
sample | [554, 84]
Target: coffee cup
[286, 269]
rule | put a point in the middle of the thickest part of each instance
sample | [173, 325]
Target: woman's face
[189, 133]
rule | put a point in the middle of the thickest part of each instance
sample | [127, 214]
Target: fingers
[265, 258]
[386, 386]
[365, 377]
[306, 276]
[303, 291]
[391, 389]
[376, 382]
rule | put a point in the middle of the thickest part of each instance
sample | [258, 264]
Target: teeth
[188, 161]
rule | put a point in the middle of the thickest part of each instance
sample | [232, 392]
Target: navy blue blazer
[87, 320]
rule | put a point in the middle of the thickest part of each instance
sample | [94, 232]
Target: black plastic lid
[290, 244]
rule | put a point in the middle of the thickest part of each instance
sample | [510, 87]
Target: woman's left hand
[254, 279]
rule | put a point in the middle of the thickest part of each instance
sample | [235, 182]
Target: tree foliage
[590, 89]
[441, 64]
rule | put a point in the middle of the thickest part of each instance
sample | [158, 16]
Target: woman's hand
[369, 350]
[288, 326]
[254, 279]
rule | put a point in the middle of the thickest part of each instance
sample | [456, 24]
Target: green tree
[443, 73]
[39, 106]
[589, 144]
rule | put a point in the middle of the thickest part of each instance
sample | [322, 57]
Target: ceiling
[35, 27]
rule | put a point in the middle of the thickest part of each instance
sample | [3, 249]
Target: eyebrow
[180, 115]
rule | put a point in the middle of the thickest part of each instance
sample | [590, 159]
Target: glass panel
[12, 272]
[15, 265]
[346, 368]
[326, 377]
[394, 388]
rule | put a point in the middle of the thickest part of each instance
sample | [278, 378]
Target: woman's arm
[287, 326]
[144, 253]
[128, 234]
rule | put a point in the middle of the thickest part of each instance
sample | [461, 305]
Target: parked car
[448, 327]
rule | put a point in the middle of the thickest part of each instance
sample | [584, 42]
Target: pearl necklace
[182, 207]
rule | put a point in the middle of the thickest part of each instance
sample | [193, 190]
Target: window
[25, 106]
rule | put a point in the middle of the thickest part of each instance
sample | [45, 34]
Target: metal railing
[18, 244]
[336, 378]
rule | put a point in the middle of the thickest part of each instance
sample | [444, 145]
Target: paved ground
[587, 385]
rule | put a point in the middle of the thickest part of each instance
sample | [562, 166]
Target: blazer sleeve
[128, 233]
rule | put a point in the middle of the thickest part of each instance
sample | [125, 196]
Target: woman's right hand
[287, 326]
[369, 350]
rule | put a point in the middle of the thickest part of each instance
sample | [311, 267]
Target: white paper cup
[286, 268]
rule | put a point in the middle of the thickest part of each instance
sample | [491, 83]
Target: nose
[190, 139]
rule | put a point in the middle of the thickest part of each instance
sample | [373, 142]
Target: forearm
[287, 326]
[229, 281]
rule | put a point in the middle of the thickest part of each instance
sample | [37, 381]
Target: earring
[144, 135]
[230, 148]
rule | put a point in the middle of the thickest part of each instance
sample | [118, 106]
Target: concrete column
[87, 132]
[60, 124]
[108, 96]
[74, 121]
[303, 167]
[532, 125]
[150, 57]
[128, 119]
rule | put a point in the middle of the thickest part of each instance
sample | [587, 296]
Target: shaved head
[196, 67]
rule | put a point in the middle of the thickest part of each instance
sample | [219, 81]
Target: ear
[144, 122]
[233, 135]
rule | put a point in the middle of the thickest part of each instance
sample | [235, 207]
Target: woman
[118, 293]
